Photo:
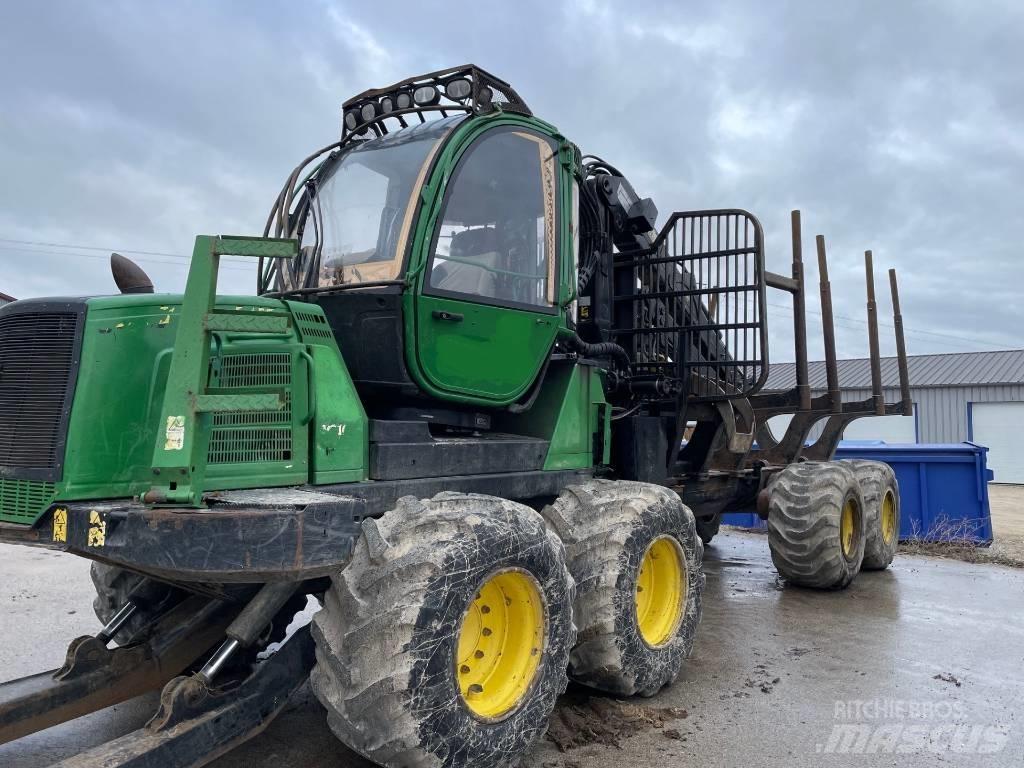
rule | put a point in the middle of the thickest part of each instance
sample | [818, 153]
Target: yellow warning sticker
[60, 524]
[97, 530]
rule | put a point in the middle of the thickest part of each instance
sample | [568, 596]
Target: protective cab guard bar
[692, 306]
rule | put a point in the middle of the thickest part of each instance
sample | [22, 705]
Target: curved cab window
[366, 200]
[496, 241]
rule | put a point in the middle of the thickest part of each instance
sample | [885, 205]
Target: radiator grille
[22, 501]
[37, 355]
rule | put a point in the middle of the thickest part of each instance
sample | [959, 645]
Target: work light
[458, 89]
[426, 96]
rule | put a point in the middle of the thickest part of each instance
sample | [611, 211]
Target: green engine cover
[127, 344]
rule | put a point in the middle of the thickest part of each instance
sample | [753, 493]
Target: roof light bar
[467, 89]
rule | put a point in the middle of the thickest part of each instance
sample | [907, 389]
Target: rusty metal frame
[195, 724]
[719, 469]
[808, 411]
[94, 677]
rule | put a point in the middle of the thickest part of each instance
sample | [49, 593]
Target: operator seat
[474, 255]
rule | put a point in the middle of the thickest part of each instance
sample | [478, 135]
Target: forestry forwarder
[481, 409]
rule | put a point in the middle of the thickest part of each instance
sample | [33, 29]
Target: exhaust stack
[129, 276]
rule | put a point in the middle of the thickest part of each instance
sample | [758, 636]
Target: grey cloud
[893, 126]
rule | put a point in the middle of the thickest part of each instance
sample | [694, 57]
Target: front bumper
[244, 536]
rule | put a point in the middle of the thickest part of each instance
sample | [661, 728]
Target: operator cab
[432, 250]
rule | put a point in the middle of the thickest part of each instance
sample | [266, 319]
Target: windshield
[365, 203]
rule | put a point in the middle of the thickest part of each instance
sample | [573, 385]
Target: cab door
[487, 315]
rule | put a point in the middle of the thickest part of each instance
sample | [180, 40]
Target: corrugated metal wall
[941, 411]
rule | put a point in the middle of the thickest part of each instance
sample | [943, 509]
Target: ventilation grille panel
[261, 369]
[37, 356]
[253, 436]
[23, 501]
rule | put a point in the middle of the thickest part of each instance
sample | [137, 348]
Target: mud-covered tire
[607, 527]
[388, 632]
[805, 511]
[708, 529]
[113, 585]
[879, 486]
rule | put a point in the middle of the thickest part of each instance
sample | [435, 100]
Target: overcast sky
[895, 126]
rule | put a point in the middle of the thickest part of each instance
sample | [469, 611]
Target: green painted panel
[568, 413]
[240, 323]
[572, 439]
[258, 247]
[492, 352]
[238, 403]
[340, 432]
[126, 350]
[340, 436]
[340, 428]
[126, 353]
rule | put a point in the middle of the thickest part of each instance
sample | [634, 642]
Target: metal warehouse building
[976, 396]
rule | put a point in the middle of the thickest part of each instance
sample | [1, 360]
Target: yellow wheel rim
[848, 528]
[888, 517]
[661, 588]
[501, 641]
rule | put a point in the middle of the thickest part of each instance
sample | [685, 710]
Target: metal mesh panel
[236, 446]
[265, 369]
[697, 299]
[37, 352]
[22, 501]
[253, 436]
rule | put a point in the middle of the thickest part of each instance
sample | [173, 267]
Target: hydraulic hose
[599, 349]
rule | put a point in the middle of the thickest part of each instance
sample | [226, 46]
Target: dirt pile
[582, 719]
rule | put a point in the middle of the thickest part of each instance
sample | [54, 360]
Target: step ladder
[183, 432]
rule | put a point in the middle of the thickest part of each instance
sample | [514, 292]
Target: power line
[91, 248]
[96, 248]
[853, 324]
[906, 330]
[862, 322]
[238, 266]
[243, 265]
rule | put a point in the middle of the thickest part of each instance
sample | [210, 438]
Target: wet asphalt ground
[920, 665]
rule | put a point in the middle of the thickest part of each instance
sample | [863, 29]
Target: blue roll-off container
[943, 489]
